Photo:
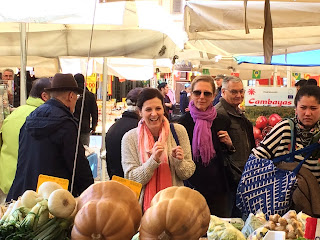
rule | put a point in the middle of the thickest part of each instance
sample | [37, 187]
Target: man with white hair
[241, 129]
[7, 78]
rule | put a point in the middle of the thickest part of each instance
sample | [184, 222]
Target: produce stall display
[47, 215]
[110, 210]
[263, 125]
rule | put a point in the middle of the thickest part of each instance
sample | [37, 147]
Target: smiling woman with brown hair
[210, 142]
[150, 154]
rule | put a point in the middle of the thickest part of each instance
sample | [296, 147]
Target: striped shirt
[278, 142]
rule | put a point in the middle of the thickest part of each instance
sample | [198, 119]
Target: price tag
[64, 183]
[134, 186]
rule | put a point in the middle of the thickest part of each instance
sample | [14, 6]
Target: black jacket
[47, 145]
[211, 181]
[184, 101]
[114, 136]
[240, 132]
[90, 110]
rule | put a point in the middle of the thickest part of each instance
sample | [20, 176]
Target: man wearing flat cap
[218, 80]
[48, 139]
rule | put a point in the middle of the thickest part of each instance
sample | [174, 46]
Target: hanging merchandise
[110, 80]
[4, 103]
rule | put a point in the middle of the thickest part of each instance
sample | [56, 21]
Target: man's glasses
[235, 92]
[197, 93]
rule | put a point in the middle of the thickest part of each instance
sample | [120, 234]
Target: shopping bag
[265, 187]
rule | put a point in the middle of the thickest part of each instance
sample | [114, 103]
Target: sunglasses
[197, 93]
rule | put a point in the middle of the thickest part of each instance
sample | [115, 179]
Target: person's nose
[153, 112]
[202, 95]
[308, 111]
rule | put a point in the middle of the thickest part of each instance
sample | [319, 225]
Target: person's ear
[45, 96]
[70, 96]
[223, 92]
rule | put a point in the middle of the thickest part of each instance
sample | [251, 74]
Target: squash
[107, 210]
[176, 213]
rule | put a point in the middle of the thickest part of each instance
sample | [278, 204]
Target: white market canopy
[218, 27]
[63, 28]
[125, 68]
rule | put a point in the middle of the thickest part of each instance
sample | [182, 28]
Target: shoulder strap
[174, 134]
[293, 140]
[293, 134]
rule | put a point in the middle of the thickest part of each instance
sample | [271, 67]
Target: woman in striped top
[307, 123]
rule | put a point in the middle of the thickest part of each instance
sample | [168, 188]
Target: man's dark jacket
[114, 136]
[240, 132]
[184, 101]
[217, 97]
[47, 145]
[90, 110]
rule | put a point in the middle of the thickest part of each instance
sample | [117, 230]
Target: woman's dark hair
[147, 94]
[308, 90]
[162, 85]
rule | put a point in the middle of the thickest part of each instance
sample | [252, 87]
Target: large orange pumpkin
[176, 213]
[107, 210]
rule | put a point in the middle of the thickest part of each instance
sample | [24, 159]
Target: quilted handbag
[265, 187]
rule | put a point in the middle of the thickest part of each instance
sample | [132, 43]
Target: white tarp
[218, 27]
[63, 28]
[125, 68]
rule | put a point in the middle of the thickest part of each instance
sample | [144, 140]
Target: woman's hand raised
[157, 151]
[177, 153]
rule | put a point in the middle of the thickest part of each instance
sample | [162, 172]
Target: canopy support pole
[104, 118]
[23, 58]
[289, 76]
[275, 73]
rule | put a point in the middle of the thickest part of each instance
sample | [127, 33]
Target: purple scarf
[202, 144]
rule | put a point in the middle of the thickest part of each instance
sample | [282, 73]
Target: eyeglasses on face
[197, 93]
[235, 92]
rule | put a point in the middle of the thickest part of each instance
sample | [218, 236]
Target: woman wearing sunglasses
[210, 143]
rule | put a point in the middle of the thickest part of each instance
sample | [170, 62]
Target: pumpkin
[176, 213]
[107, 210]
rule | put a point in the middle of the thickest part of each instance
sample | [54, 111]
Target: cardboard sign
[134, 186]
[92, 83]
[270, 96]
[64, 183]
